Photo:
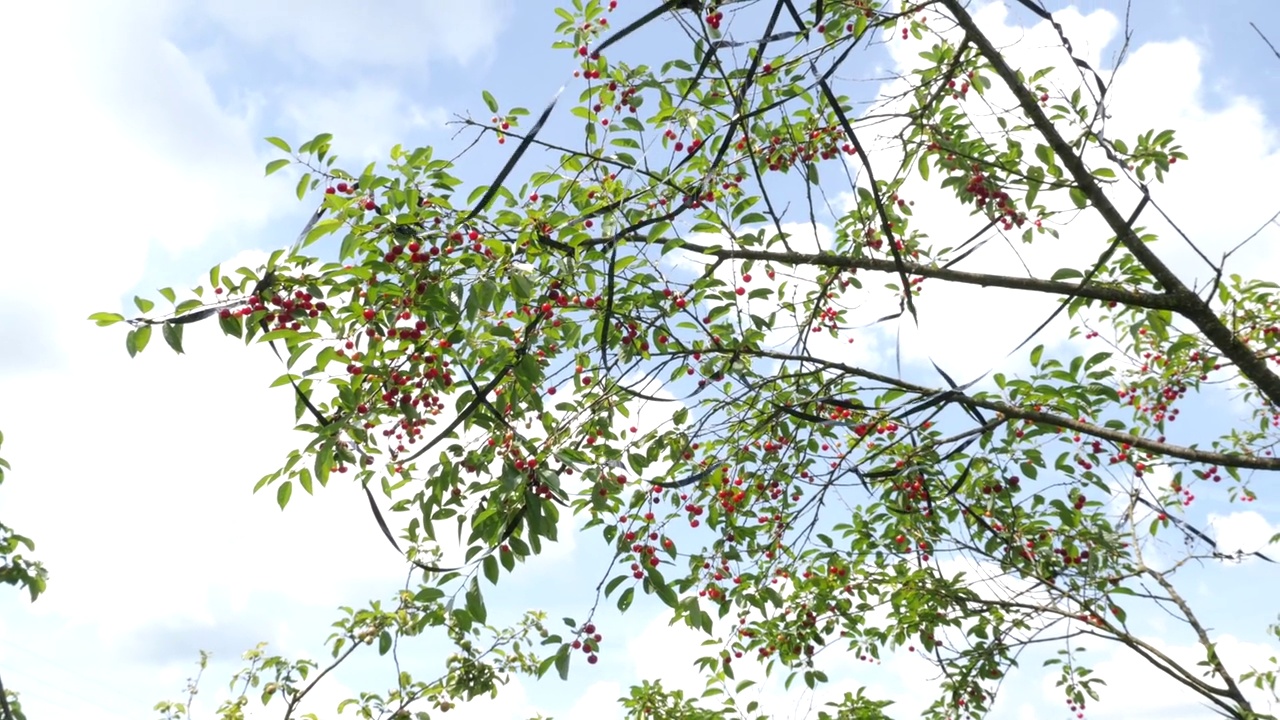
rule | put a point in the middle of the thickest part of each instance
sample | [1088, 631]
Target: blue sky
[136, 136]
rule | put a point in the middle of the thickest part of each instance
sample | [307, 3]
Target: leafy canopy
[651, 332]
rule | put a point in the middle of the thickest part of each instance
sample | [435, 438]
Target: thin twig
[1265, 40]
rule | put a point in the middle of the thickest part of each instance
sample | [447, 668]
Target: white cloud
[599, 701]
[177, 491]
[1137, 690]
[335, 34]
[124, 148]
[1246, 531]
[366, 119]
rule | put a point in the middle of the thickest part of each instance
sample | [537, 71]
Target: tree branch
[1181, 452]
[1135, 298]
[1211, 653]
[1186, 302]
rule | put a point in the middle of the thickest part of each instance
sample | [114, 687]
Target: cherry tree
[709, 254]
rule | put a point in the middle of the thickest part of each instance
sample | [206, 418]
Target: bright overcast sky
[134, 142]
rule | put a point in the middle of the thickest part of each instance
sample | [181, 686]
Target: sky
[136, 138]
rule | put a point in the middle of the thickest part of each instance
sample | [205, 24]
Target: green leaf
[475, 601]
[491, 569]
[384, 643]
[663, 590]
[280, 144]
[104, 319]
[1079, 198]
[144, 305]
[173, 335]
[624, 600]
[490, 101]
[613, 585]
[232, 325]
[138, 339]
[283, 493]
[562, 663]
[1035, 180]
[275, 165]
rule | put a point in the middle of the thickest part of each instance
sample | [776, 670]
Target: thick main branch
[1134, 298]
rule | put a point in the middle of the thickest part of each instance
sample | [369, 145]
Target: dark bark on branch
[1135, 298]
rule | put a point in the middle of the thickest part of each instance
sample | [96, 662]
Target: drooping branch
[1211, 652]
[1186, 302]
[1209, 457]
